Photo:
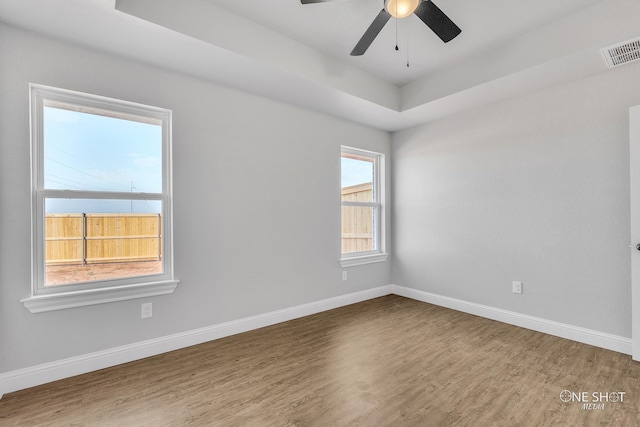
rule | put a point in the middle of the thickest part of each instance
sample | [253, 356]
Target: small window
[101, 205]
[362, 200]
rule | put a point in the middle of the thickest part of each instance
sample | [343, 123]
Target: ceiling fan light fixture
[401, 8]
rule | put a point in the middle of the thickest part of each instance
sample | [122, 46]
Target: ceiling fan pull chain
[397, 28]
[406, 34]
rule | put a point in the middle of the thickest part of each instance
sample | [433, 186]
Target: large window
[362, 200]
[101, 188]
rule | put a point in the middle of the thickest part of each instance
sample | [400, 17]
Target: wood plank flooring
[390, 361]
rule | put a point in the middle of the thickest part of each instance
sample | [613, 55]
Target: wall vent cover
[622, 53]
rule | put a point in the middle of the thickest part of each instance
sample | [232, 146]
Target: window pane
[358, 225]
[99, 152]
[88, 240]
[357, 178]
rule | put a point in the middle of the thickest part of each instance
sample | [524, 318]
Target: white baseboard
[48, 372]
[575, 333]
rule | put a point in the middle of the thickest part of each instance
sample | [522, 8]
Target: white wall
[533, 189]
[256, 203]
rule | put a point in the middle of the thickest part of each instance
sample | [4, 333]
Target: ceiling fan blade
[437, 21]
[316, 1]
[371, 33]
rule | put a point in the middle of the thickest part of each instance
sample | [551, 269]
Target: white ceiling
[300, 53]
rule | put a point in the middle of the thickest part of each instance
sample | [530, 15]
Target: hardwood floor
[390, 361]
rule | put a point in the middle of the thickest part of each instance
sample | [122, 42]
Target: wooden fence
[102, 238]
[357, 222]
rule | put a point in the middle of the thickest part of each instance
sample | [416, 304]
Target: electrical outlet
[516, 287]
[147, 310]
[344, 275]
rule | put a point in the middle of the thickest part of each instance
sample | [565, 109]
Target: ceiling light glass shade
[401, 8]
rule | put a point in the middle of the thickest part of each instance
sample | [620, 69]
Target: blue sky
[99, 153]
[356, 172]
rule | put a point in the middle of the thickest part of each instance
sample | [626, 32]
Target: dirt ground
[65, 274]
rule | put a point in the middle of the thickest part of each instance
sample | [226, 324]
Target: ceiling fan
[426, 10]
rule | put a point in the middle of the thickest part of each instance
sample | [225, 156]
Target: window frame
[47, 298]
[377, 204]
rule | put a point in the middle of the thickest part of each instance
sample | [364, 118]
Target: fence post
[159, 237]
[84, 238]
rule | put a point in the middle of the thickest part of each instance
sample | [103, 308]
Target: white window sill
[365, 259]
[61, 301]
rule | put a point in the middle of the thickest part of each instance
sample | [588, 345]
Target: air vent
[622, 53]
